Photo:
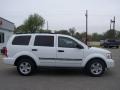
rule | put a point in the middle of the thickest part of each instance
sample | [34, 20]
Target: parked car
[29, 51]
[109, 43]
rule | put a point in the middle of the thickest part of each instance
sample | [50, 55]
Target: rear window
[44, 41]
[21, 40]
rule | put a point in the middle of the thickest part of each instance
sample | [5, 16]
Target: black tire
[117, 46]
[91, 72]
[26, 67]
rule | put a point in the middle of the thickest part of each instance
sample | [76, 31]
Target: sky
[64, 14]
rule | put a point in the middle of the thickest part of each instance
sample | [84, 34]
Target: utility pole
[47, 26]
[110, 24]
[114, 27]
[113, 21]
[86, 27]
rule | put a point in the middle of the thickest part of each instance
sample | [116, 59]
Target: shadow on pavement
[55, 72]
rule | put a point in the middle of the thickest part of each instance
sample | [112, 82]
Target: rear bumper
[110, 63]
[9, 61]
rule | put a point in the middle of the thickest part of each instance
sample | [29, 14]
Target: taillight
[4, 51]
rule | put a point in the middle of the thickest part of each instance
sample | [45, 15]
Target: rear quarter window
[21, 40]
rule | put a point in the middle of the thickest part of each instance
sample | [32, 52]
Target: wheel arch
[24, 56]
[96, 58]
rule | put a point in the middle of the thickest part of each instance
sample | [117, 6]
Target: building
[6, 30]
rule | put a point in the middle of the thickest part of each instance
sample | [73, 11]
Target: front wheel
[25, 67]
[95, 68]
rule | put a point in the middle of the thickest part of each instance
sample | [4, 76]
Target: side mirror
[79, 46]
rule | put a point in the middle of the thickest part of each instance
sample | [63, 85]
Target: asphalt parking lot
[60, 79]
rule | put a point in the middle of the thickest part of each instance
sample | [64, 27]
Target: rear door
[44, 49]
[68, 55]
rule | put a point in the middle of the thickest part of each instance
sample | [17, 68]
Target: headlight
[109, 56]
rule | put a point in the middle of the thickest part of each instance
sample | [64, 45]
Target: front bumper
[110, 63]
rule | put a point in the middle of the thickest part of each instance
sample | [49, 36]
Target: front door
[68, 55]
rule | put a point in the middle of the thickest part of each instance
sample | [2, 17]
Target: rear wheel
[26, 67]
[95, 68]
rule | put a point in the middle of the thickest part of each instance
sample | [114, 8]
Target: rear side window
[44, 41]
[21, 40]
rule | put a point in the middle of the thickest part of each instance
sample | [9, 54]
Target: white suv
[28, 51]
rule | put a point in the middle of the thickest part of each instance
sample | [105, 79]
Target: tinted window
[21, 40]
[44, 41]
[66, 42]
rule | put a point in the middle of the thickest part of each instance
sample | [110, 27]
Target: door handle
[60, 50]
[34, 49]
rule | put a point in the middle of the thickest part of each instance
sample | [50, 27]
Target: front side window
[66, 42]
[21, 40]
[44, 41]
